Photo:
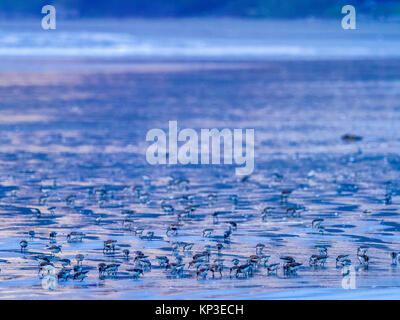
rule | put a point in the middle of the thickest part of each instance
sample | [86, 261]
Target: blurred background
[181, 29]
[196, 8]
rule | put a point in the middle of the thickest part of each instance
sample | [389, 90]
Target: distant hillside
[188, 8]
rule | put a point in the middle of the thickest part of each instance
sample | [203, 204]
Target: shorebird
[111, 269]
[317, 260]
[207, 233]
[187, 246]
[148, 236]
[102, 268]
[215, 217]
[200, 257]
[265, 213]
[135, 273]
[173, 229]
[37, 212]
[245, 269]
[80, 275]
[254, 260]
[395, 257]
[362, 256]
[272, 268]
[235, 266]
[109, 246]
[202, 272]
[46, 269]
[287, 259]
[292, 212]
[79, 258]
[54, 249]
[65, 262]
[316, 223]
[232, 225]
[227, 235]
[162, 261]
[234, 198]
[285, 195]
[64, 274]
[175, 269]
[126, 253]
[343, 260]
[291, 268]
[75, 236]
[53, 236]
[259, 248]
[70, 200]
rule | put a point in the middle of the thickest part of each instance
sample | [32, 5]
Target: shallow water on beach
[84, 135]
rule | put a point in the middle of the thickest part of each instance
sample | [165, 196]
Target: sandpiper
[317, 260]
[316, 223]
[135, 272]
[173, 229]
[23, 244]
[292, 212]
[148, 236]
[75, 236]
[285, 195]
[162, 261]
[362, 256]
[175, 269]
[227, 235]
[37, 212]
[109, 246]
[53, 236]
[272, 268]
[343, 260]
[395, 257]
[187, 246]
[102, 268]
[79, 258]
[259, 248]
[64, 274]
[126, 253]
[80, 275]
[291, 268]
[65, 262]
[112, 269]
[265, 212]
[202, 272]
[232, 225]
[235, 266]
[245, 269]
[207, 233]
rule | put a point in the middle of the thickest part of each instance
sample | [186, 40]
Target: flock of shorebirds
[182, 261]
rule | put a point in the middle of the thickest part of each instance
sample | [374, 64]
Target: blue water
[202, 38]
[77, 126]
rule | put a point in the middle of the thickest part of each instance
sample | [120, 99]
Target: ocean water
[73, 126]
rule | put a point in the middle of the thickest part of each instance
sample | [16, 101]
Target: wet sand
[82, 127]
